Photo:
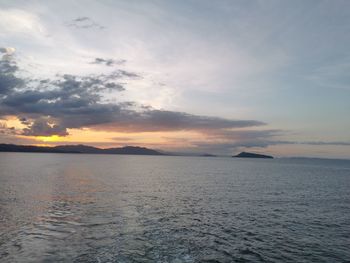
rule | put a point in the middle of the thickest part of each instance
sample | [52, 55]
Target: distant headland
[252, 155]
[132, 150]
[78, 149]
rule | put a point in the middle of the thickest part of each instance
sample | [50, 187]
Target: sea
[125, 208]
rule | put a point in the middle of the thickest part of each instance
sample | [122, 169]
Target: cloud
[161, 120]
[51, 106]
[5, 130]
[48, 107]
[70, 101]
[7, 50]
[43, 127]
[18, 21]
[84, 22]
[245, 135]
[226, 141]
[108, 62]
[259, 142]
[8, 68]
[334, 143]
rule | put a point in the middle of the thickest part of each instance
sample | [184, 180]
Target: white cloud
[16, 21]
[7, 50]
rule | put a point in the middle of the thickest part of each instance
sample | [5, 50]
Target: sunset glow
[174, 131]
[244, 82]
[52, 138]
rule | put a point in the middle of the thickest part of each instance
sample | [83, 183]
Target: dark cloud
[24, 121]
[42, 127]
[162, 120]
[226, 141]
[230, 143]
[245, 135]
[8, 68]
[123, 73]
[5, 130]
[84, 22]
[108, 62]
[51, 106]
[70, 101]
[68, 94]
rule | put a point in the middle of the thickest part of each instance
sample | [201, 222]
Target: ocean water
[120, 208]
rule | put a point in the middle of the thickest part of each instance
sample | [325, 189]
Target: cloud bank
[48, 107]
[52, 106]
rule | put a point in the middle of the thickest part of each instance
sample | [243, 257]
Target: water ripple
[153, 209]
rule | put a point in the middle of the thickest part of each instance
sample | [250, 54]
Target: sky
[195, 76]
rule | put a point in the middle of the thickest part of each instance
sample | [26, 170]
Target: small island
[207, 155]
[252, 155]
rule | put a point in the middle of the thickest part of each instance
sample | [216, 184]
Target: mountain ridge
[79, 148]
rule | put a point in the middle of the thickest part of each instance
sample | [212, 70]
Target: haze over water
[108, 208]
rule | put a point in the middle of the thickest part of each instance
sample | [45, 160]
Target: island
[207, 155]
[252, 155]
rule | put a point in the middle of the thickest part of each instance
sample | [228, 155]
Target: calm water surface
[114, 208]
